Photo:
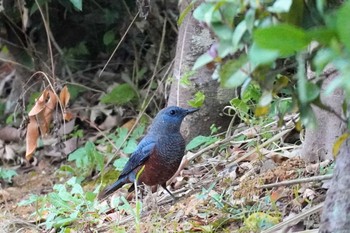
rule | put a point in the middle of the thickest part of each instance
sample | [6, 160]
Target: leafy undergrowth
[221, 188]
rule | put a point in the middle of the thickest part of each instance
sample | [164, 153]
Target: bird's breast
[164, 161]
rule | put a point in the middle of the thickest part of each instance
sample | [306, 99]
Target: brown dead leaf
[277, 194]
[40, 117]
[64, 96]
[48, 112]
[32, 137]
[129, 124]
[39, 104]
[67, 115]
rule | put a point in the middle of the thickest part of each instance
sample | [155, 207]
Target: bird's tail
[110, 189]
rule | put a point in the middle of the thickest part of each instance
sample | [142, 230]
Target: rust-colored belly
[157, 171]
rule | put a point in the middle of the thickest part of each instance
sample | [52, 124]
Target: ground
[216, 194]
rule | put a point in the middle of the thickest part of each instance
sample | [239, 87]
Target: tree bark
[336, 211]
[319, 142]
[193, 41]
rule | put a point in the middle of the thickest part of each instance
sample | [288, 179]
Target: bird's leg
[165, 188]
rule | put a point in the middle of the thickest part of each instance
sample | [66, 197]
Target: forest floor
[221, 189]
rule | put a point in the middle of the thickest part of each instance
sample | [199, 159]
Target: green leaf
[323, 57]
[120, 95]
[312, 90]
[108, 37]
[343, 24]
[259, 56]
[225, 48]
[223, 32]
[138, 131]
[32, 199]
[322, 35]
[285, 38]
[185, 79]
[185, 12]
[280, 6]
[234, 72]
[200, 140]
[308, 117]
[119, 164]
[198, 100]
[207, 12]
[202, 60]
[259, 221]
[79, 157]
[75, 90]
[7, 174]
[121, 135]
[130, 147]
[240, 105]
[78, 4]
[238, 33]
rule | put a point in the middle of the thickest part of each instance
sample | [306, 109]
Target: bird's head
[169, 119]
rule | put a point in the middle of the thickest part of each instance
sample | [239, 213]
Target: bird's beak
[191, 110]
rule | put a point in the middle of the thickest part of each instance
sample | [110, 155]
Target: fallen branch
[294, 220]
[296, 181]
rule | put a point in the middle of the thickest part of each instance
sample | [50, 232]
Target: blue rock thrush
[160, 152]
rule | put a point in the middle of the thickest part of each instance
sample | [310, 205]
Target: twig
[296, 181]
[274, 138]
[120, 42]
[295, 219]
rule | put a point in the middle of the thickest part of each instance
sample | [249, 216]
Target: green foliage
[198, 100]
[185, 79]
[264, 33]
[257, 222]
[203, 140]
[7, 174]
[109, 37]
[119, 164]
[202, 60]
[120, 136]
[78, 4]
[120, 95]
[123, 205]
[67, 204]
[127, 145]
[200, 140]
[75, 91]
[271, 38]
[232, 74]
[87, 159]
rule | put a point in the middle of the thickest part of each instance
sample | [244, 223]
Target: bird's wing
[141, 154]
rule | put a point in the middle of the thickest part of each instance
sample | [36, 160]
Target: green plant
[87, 159]
[266, 34]
[203, 140]
[68, 207]
[7, 174]
[120, 95]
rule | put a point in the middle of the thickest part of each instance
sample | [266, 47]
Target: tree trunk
[319, 142]
[336, 214]
[193, 41]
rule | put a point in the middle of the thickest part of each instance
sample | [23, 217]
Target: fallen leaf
[64, 97]
[32, 137]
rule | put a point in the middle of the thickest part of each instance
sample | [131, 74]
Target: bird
[158, 155]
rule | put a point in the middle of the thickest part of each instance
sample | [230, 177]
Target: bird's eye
[172, 112]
